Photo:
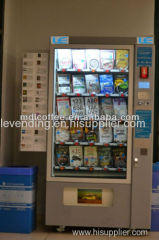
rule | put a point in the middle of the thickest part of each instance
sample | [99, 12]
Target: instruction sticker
[143, 128]
[144, 56]
[59, 40]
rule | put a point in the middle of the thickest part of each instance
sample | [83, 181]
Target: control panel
[142, 156]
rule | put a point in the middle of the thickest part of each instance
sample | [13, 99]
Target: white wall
[28, 26]
[8, 81]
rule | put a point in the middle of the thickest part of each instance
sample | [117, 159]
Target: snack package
[77, 106]
[121, 83]
[91, 134]
[76, 156]
[78, 83]
[63, 133]
[105, 156]
[107, 59]
[63, 106]
[64, 58]
[107, 106]
[62, 155]
[90, 156]
[92, 83]
[120, 134]
[63, 83]
[106, 83]
[76, 133]
[92, 106]
[93, 58]
[105, 134]
[120, 107]
[79, 59]
[122, 59]
[119, 157]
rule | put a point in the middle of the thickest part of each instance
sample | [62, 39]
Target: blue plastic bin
[17, 199]
[155, 198]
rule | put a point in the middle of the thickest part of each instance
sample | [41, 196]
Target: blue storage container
[155, 198]
[17, 199]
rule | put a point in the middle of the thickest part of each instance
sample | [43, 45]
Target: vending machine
[100, 145]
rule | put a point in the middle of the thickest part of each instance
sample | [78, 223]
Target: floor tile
[17, 236]
[70, 236]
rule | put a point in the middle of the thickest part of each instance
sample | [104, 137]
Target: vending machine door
[100, 175]
[143, 136]
[91, 94]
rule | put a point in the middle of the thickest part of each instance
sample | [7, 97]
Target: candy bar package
[64, 58]
[91, 134]
[76, 133]
[107, 106]
[121, 83]
[63, 106]
[79, 59]
[93, 58]
[92, 106]
[120, 107]
[119, 157]
[120, 134]
[62, 155]
[122, 59]
[77, 106]
[107, 59]
[76, 156]
[105, 134]
[105, 156]
[78, 83]
[92, 83]
[90, 156]
[106, 83]
[63, 83]
[62, 134]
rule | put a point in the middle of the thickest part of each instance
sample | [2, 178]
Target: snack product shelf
[76, 143]
[92, 94]
[90, 168]
[91, 71]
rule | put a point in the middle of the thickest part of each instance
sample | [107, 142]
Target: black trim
[1, 45]
[156, 98]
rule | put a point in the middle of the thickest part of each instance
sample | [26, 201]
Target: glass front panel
[90, 103]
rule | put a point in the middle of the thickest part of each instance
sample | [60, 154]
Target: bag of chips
[76, 156]
[121, 84]
[122, 59]
[107, 106]
[78, 83]
[105, 156]
[62, 155]
[105, 134]
[90, 156]
[79, 59]
[63, 106]
[92, 56]
[64, 58]
[119, 157]
[106, 83]
[63, 133]
[63, 83]
[107, 59]
[91, 134]
[77, 106]
[120, 107]
[120, 134]
[92, 83]
[92, 106]
[76, 133]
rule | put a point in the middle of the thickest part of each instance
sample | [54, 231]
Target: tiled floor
[69, 236]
